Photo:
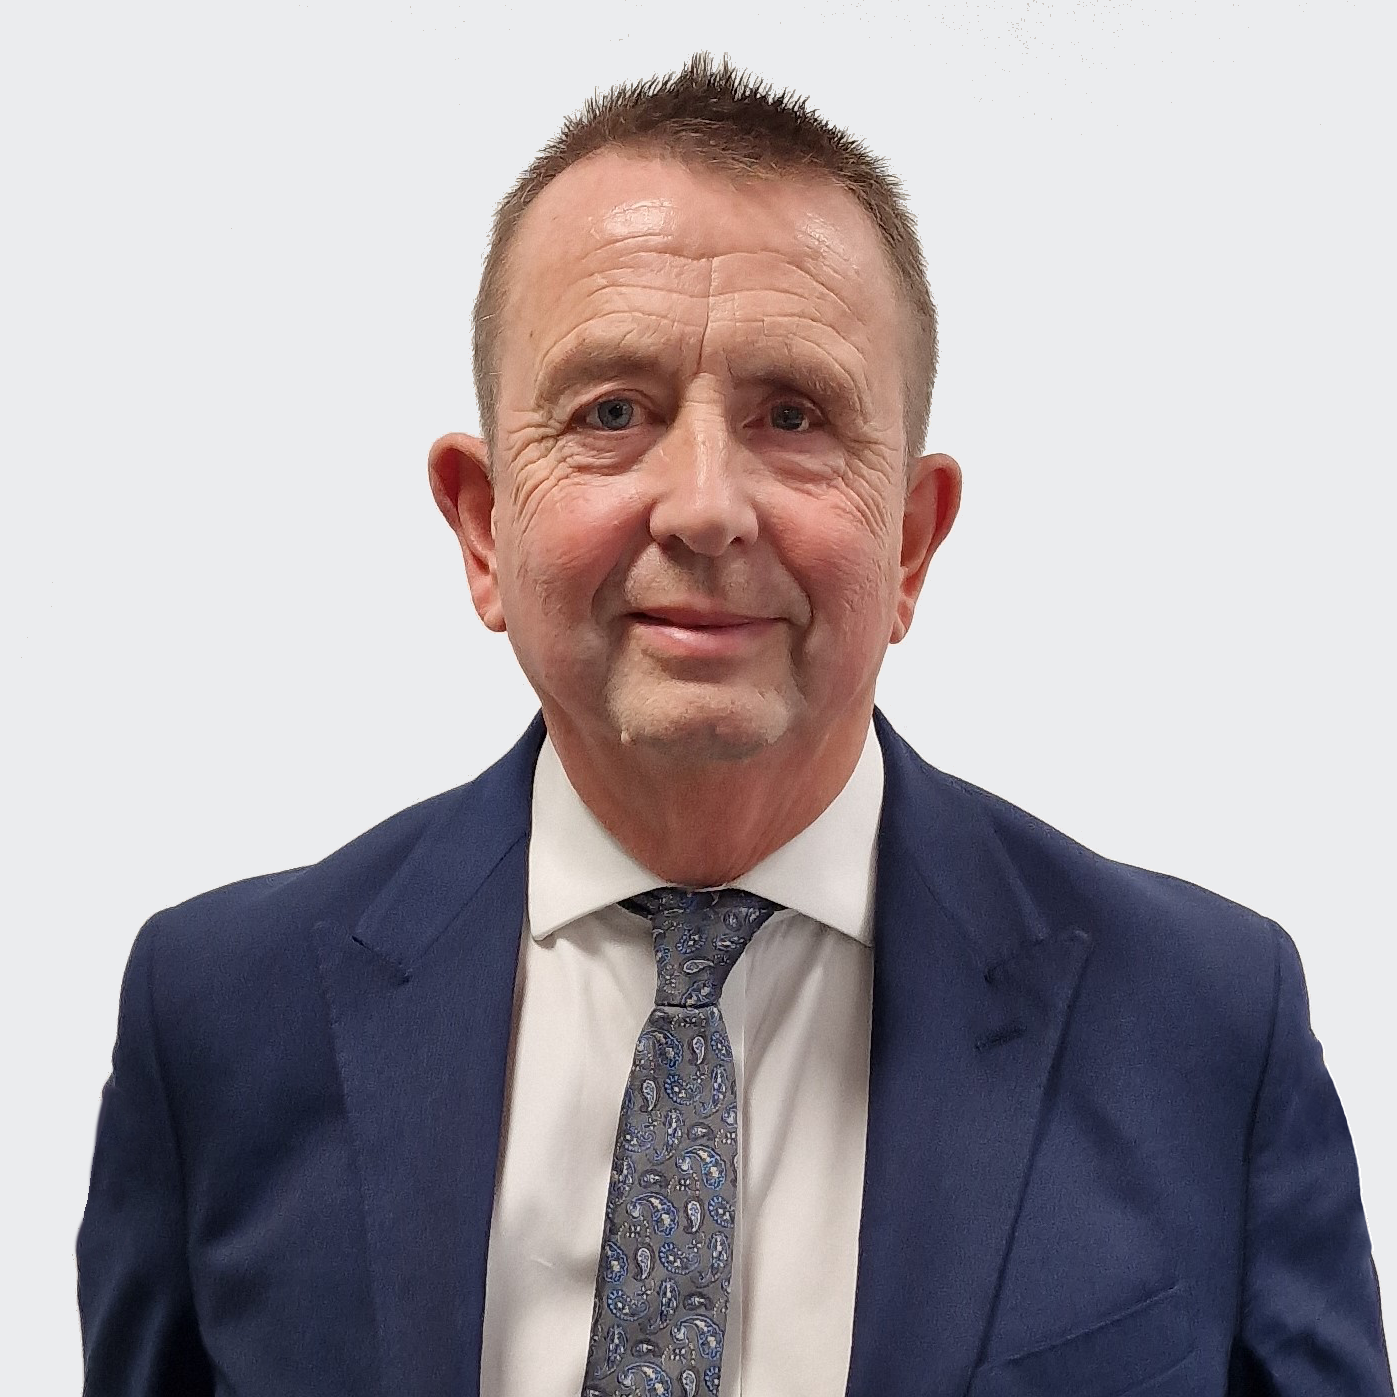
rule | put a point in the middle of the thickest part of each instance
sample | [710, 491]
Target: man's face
[696, 535]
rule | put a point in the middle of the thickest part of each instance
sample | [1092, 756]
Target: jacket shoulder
[462, 830]
[1065, 869]
[1155, 927]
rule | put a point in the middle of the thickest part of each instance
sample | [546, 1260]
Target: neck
[701, 823]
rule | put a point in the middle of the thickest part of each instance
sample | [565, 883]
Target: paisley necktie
[661, 1304]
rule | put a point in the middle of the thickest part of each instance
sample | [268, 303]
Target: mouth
[692, 633]
[691, 618]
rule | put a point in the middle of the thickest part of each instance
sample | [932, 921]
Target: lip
[696, 618]
[690, 633]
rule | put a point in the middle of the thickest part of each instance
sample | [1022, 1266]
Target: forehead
[619, 232]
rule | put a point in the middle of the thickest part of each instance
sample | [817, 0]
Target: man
[929, 1099]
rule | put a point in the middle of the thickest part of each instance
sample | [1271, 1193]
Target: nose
[702, 484]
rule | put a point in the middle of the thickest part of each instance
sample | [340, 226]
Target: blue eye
[611, 414]
[790, 417]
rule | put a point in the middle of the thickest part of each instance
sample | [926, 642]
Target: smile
[694, 635]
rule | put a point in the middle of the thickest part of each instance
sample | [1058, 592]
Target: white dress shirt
[797, 1005]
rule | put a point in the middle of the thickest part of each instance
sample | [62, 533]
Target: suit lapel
[971, 990]
[420, 994]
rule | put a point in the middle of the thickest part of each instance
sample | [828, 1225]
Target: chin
[704, 726]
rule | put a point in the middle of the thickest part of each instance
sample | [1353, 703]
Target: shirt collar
[576, 866]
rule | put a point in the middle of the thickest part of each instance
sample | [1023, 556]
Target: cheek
[849, 573]
[561, 548]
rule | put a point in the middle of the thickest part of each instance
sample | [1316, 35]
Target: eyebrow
[803, 375]
[589, 362]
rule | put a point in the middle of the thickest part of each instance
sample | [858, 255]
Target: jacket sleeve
[140, 1335]
[1310, 1320]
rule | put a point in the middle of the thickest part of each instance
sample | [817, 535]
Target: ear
[928, 513]
[459, 469]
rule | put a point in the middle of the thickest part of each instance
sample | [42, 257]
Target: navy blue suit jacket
[1104, 1155]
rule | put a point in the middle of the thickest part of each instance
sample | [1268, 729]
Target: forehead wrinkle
[647, 252]
[565, 277]
[708, 307]
[811, 265]
[579, 295]
[812, 302]
[601, 287]
[825, 301]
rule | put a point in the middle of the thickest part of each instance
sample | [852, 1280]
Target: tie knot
[698, 938]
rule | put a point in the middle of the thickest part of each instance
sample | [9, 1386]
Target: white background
[240, 247]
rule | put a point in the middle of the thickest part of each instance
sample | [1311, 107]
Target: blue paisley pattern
[666, 1259]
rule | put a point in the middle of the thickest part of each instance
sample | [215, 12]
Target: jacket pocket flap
[1107, 1360]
